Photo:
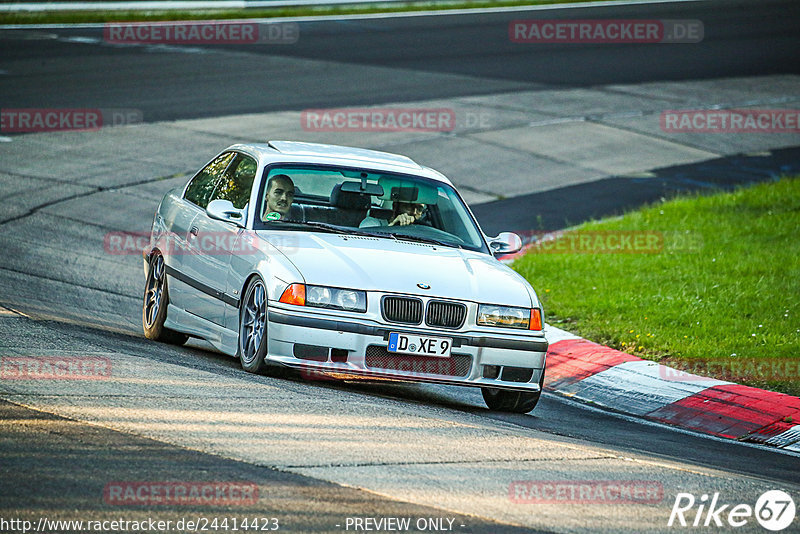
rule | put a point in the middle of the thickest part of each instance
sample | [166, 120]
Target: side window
[236, 185]
[202, 186]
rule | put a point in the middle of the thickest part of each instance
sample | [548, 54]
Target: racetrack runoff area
[431, 452]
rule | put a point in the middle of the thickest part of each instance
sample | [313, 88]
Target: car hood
[379, 264]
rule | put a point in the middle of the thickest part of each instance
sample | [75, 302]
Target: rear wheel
[253, 328]
[503, 400]
[156, 301]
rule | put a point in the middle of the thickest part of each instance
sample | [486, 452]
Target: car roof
[301, 152]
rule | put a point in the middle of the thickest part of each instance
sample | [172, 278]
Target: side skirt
[221, 338]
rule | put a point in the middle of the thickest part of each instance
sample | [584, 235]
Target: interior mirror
[505, 243]
[364, 187]
[223, 210]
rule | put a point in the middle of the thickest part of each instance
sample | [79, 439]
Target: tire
[253, 328]
[503, 400]
[155, 303]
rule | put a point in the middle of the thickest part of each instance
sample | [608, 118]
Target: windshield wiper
[326, 226]
[338, 229]
[424, 240]
[277, 225]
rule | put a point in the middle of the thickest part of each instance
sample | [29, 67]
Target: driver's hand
[404, 219]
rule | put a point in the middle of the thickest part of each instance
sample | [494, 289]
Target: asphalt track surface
[380, 60]
[36, 446]
[441, 57]
[614, 195]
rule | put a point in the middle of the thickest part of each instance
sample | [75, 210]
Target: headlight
[335, 298]
[318, 296]
[510, 317]
[325, 297]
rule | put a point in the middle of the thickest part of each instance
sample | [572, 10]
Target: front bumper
[319, 344]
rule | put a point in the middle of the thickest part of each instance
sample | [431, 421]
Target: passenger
[280, 194]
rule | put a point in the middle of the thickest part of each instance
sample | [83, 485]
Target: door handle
[194, 231]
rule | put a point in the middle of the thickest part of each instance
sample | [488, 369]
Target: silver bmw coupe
[342, 262]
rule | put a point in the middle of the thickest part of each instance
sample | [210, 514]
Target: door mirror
[505, 243]
[223, 210]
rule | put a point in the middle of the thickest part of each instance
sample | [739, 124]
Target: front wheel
[156, 301]
[503, 400]
[253, 328]
[510, 401]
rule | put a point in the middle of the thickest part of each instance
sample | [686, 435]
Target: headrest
[348, 200]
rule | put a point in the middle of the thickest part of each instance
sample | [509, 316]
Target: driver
[403, 214]
[280, 194]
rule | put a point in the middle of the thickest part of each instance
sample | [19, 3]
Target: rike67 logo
[774, 510]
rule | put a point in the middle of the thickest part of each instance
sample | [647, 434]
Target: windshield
[355, 201]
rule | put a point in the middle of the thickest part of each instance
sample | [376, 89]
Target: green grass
[74, 17]
[720, 296]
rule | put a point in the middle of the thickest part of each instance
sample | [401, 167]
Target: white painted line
[569, 400]
[789, 439]
[638, 387]
[167, 5]
[794, 447]
[406, 14]
[554, 335]
[128, 6]
[558, 120]
[84, 40]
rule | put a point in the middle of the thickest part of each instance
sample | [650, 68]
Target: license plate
[421, 345]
